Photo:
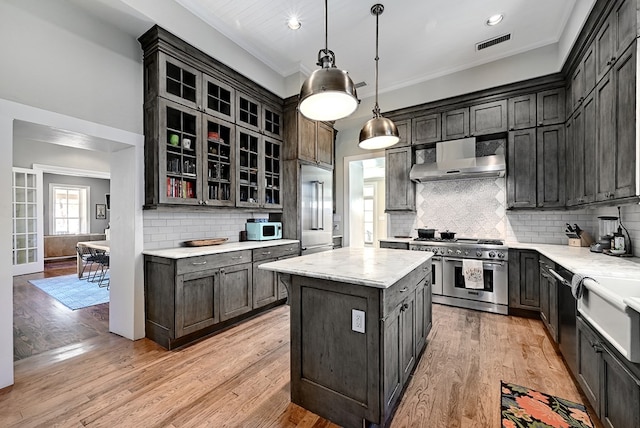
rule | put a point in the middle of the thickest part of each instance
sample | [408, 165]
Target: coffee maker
[607, 227]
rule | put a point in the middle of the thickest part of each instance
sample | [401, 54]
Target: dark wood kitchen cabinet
[615, 35]
[550, 107]
[400, 191]
[536, 165]
[193, 109]
[616, 134]
[521, 169]
[522, 112]
[610, 382]
[581, 153]
[307, 140]
[187, 298]
[236, 290]
[588, 363]
[266, 288]
[404, 131]
[524, 280]
[427, 129]
[455, 124]
[550, 161]
[488, 118]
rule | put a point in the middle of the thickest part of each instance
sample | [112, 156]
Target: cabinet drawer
[394, 295]
[212, 261]
[278, 251]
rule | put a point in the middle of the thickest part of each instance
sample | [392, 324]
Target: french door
[28, 237]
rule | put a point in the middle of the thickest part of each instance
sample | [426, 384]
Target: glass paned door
[28, 250]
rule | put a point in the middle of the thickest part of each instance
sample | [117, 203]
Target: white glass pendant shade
[378, 133]
[328, 94]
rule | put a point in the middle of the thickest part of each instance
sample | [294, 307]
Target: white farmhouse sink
[603, 305]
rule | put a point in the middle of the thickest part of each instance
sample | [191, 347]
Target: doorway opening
[365, 220]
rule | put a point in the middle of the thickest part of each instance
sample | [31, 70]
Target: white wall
[69, 71]
[57, 58]
[27, 152]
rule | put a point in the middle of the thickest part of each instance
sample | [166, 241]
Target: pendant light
[329, 93]
[379, 132]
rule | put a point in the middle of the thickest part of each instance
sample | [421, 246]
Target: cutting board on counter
[205, 242]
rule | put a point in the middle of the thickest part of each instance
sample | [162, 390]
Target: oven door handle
[488, 263]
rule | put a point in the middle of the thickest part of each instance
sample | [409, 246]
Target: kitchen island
[359, 322]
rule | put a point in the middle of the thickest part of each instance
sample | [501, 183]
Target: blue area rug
[72, 292]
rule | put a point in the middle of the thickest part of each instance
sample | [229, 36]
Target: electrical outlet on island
[357, 320]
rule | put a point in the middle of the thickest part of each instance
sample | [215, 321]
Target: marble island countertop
[184, 252]
[371, 267]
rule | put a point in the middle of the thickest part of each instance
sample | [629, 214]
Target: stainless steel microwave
[264, 231]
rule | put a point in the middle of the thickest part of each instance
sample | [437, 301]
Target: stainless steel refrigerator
[316, 210]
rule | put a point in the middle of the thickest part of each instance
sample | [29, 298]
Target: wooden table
[98, 245]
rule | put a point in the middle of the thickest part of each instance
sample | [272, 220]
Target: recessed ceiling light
[293, 23]
[495, 19]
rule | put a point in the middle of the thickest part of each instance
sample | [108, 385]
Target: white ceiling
[419, 39]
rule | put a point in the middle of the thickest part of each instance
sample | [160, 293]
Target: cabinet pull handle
[266, 253]
[404, 290]
[290, 249]
[236, 258]
[597, 347]
[199, 263]
[405, 306]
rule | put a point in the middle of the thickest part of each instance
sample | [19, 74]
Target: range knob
[478, 253]
[466, 252]
[450, 251]
[500, 254]
[458, 252]
[492, 254]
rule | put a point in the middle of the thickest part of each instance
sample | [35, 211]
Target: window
[68, 209]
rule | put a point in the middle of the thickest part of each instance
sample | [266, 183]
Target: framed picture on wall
[101, 211]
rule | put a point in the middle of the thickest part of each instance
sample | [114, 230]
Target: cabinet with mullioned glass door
[258, 170]
[249, 170]
[179, 155]
[219, 167]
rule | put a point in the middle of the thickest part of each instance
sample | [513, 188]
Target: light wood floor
[240, 378]
[41, 323]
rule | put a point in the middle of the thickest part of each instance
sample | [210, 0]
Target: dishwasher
[567, 311]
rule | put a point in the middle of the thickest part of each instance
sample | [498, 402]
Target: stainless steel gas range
[448, 277]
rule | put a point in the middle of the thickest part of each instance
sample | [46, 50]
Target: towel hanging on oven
[473, 273]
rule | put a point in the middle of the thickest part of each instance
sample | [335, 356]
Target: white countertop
[581, 260]
[371, 267]
[184, 252]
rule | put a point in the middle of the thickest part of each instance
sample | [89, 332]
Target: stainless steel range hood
[456, 160]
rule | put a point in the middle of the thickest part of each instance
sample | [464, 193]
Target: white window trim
[87, 207]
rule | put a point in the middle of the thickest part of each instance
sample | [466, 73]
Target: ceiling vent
[360, 84]
[492, 42]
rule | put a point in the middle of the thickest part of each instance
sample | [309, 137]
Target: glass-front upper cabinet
[272, 173]
[179, 82]
[220, 168]
[219, 99]
[179, 152]
[249, 171]
[272, 122]
[248, 112]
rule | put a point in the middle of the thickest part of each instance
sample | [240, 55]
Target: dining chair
[88, 260]
[102, 259]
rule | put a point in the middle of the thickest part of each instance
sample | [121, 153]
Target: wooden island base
[356, 378]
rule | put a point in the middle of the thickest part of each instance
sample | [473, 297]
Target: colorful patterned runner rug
[522, 407]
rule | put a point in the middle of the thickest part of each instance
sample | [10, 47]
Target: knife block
[585, 240]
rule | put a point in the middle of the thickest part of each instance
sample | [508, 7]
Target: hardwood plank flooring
[240, 378]
[41, 323]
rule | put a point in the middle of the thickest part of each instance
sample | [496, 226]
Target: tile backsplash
[477, 208]
[167, 229]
